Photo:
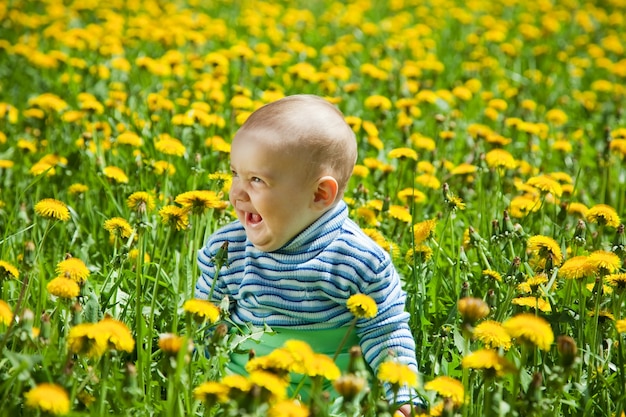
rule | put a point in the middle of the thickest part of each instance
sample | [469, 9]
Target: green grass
[538, 58]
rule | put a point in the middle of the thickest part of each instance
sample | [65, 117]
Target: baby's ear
[325, 192]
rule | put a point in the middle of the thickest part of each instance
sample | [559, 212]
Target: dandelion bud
[131, 388]
[220, 332]
[495, 229]
[29, 253]
[534, 389]
[579, 233]
[77, 317]
[472, 309]
[349, 386]
[507, 224]
[566, 347]
[44, 332]
[356, 365]
[492, 300]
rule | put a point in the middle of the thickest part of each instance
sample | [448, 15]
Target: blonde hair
[309, 128]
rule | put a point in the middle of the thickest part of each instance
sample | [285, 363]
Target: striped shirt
[306, 284]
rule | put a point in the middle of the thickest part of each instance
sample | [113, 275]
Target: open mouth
[253, 218]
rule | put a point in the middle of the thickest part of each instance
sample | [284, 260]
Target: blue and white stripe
[306, 284]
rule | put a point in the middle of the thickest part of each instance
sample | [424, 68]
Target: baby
[294, 256]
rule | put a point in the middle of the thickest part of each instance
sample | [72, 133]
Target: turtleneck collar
[319, 234]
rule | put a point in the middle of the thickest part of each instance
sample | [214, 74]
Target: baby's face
[270, 194]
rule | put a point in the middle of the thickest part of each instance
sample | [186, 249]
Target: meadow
[492, 146]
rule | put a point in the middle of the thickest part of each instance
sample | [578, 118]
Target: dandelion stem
[345, 338]
[155, 290]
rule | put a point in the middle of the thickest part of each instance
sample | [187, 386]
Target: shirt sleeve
[388, 335]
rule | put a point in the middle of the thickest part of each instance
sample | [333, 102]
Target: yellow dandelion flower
[212, 392]
[84, 339]
[402, 153]
[397, 374]
[6, 164]
[546, 184]
[118, 228]
[141, 202]
[490, 274]
[274, 385]
[557, 117]
[368, 216]
[350, 385]
[488, 360]
[400, 213]
[562, 145]
[237, 383]
[6, 314]
[604, 262]
[420, 252]
[279, 362]
[117, 333]
[74, 269]
[175, 217]
[129, 138]
[620, 326]
[545, 248]
[377, 102]
[63, 287]
[170, 146]
[527, 327]
[532, 284]
[533, 302]
[464, 169]
[522, 205]
[116, 174]
[618, 146]
[447, 387]
[576, 268]
[617, 281]
[48, 398]
[322, 365]
[77, 188]
[492, 335]
[8, 271]
[424, 230]
[202, 310]
[499, 158]
[412, 194]
[52, 209]
[200, 200]
[163, 167]
[171, 344]
[604, 215]
[288, 408]
[360, 171]
[217, 143]
[362, 306]
[577, 209]
[428, 181]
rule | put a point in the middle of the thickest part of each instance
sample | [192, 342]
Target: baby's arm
[388, 336]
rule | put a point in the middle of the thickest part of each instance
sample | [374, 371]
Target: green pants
[321, 341]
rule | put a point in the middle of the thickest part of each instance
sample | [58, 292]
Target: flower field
[492, 149]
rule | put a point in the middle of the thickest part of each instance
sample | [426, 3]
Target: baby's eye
[233, 173]
[256, 179]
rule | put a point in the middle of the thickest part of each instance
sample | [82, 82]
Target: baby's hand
[405, 411]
